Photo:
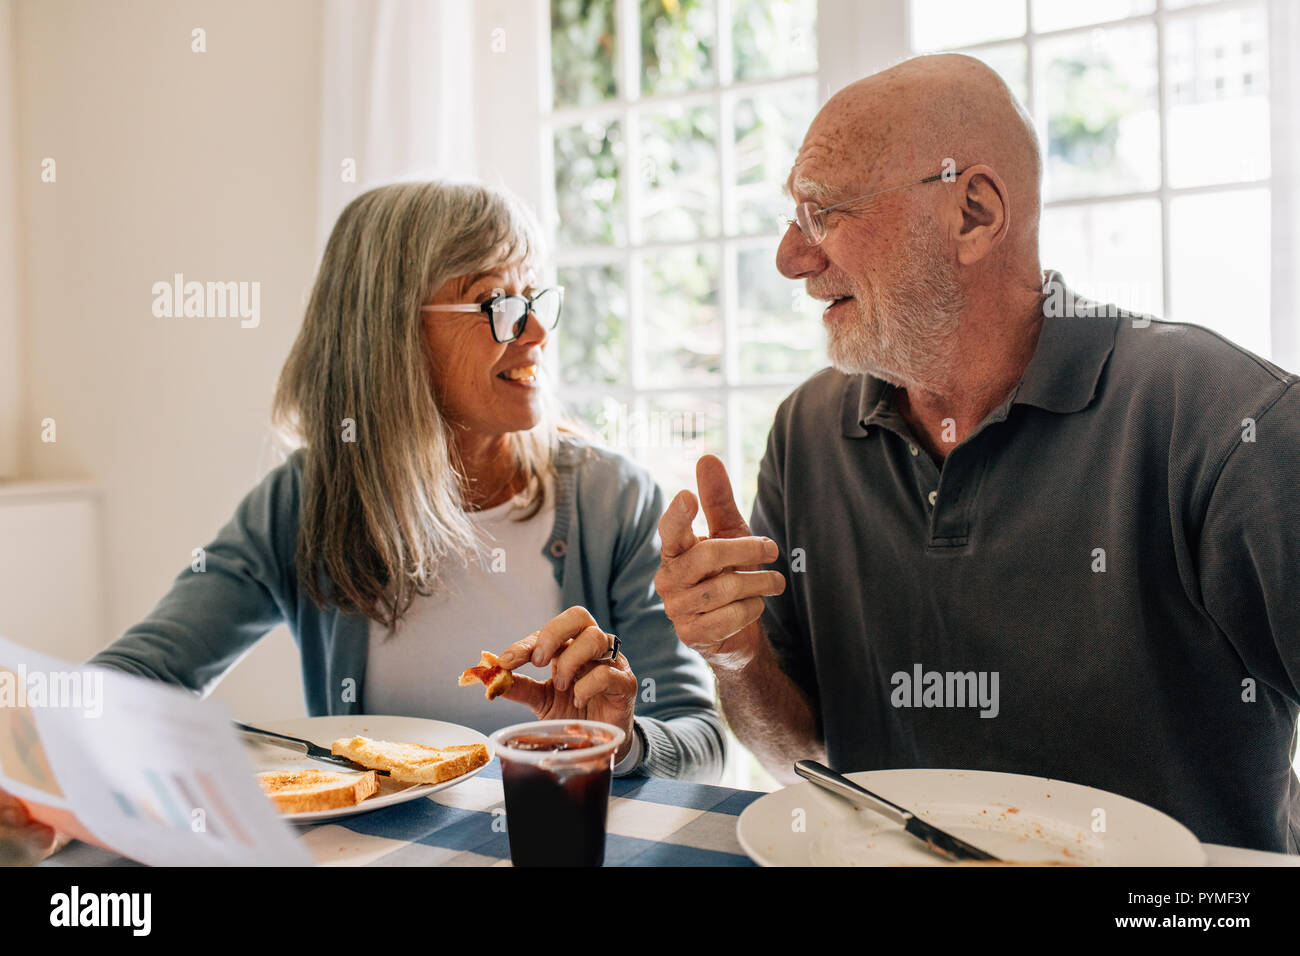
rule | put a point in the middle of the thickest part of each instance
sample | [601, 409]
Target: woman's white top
[412, 670]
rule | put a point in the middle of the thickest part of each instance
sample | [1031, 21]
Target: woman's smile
[522, 376]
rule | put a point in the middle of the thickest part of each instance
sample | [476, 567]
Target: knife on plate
[298, 745]
[945, 844]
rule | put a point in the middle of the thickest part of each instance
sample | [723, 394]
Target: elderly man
[1007, 534]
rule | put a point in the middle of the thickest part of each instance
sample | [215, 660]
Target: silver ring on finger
[611, 655]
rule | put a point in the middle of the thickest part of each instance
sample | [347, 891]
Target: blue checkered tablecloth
[652, 822]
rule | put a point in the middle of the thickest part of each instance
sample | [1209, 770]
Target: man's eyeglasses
[811, 218]
[508, 314]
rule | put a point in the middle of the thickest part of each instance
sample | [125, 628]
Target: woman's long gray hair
[383, 494]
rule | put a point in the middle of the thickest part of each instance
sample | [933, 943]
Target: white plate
[325, 730]
[1014, 817]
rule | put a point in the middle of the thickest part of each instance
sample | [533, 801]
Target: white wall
[167, 161]
[10, 372]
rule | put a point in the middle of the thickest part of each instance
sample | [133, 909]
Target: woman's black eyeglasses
[508, 314]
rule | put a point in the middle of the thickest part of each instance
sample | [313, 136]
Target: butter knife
[945, 844]
[298, 745]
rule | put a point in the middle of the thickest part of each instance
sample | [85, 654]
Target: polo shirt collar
[1073, 348]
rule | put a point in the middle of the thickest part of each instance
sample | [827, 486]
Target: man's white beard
[903, 332]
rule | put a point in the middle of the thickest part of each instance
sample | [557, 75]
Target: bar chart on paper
[192, 803]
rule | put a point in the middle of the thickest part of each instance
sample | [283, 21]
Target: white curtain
[397, 78]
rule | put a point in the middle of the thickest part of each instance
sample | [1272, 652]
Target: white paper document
[140, 767]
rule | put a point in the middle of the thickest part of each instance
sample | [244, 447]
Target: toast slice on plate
[412, 763]
[299, 791]
[490, 673]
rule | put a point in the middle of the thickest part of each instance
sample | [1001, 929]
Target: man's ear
[980, 207]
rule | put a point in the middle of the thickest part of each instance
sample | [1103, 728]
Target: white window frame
[627, 108]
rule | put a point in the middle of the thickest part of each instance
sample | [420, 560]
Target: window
[673, 124]
[1154, 116]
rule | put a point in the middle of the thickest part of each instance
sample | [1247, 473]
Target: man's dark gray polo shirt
[1119, 541]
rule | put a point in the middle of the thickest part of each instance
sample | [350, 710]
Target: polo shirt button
[558, 548]
[913, 449]
[933, 497]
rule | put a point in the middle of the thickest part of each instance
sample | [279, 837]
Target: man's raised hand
[713, 587]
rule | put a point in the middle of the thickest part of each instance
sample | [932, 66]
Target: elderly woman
[438, 507]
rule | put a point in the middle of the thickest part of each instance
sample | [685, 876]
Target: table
[652, 822]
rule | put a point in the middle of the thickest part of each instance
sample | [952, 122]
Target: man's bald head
[901, 124]
[917, 271]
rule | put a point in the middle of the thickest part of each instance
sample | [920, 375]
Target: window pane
[1055, 15]
[1109, 252]
[682, 337]
[582, 51]
[602, 414]
[679, 166]
[677, 44]
[1218, 94]
[769, 129]
[647, 428]
[948, 23]
[590, 334]
[757, 409]
[588, 196]
[676, 430]
[773, 38]
[1011, 63]
[780, 328]
[1219, 258]
[1103, 125]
